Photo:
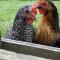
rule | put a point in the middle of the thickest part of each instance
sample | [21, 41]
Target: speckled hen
[22, 27]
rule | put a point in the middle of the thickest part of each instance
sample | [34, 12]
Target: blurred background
[9, 8]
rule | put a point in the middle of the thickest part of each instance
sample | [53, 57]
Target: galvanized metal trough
[31, 49]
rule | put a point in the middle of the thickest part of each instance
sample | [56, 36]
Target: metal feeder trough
[31, 49]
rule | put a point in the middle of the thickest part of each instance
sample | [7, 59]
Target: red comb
[34, 5]
[40, 2]
[34, 9]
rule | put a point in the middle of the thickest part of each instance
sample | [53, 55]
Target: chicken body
[48, 30]
[21, 30]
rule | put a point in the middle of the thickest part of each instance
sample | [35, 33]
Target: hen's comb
[34, 8]
[40, 2]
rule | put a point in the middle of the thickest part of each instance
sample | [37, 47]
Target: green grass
[8, 10]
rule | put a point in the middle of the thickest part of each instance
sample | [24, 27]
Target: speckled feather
[20, 30]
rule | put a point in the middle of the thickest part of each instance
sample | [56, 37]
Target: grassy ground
[8, 10]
